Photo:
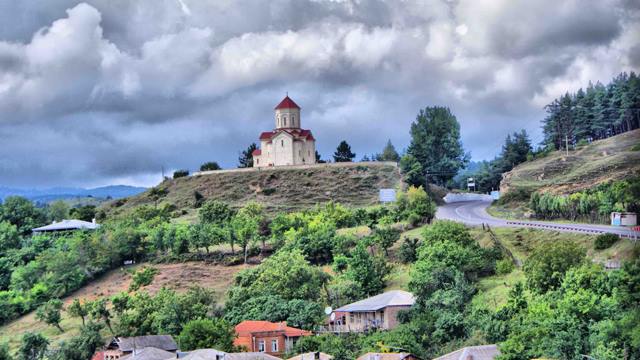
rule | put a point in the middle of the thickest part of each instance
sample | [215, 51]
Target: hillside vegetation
[602, 161]
[281, 189]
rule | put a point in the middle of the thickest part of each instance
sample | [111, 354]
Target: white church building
[288, 143]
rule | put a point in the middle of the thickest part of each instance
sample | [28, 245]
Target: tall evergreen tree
[389, 153]
[343, 153]
[436, 145]
[246, 157]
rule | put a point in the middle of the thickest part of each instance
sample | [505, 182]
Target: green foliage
[604, 241]
[547, 265]
[436, 144]
[78, 309]
[287, 276]
[415, 203]
[21, 213]
[246, 156]
[98, 311]
[85, 213]
[215, 212]
[296, 312]
[207, 334]
[9, 237]
[343, 153]
[409, 250]
[344, 347]
[165, 313]
[385, 237]
[210, 166]
[81, 346]
[389, 153]
[33, 346]
[58, 210]
[180, 173]
[412, 171]
[504, 266]
[49, 313]
[595, 113]
[4, 352]
[245, 226]
[142, 277]
[365, 271]
[592, 204]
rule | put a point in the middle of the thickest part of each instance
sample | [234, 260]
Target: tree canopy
[343, 153]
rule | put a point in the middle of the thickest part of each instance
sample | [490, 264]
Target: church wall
[289, 114]
[282, 146]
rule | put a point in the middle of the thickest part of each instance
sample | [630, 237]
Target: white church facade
[288, 143]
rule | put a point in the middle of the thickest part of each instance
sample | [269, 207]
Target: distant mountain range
[62, 193]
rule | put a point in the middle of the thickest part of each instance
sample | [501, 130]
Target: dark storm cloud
[113, 90]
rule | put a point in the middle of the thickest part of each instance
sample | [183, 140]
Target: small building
[379, 312]
[288, 143]
[119, 347]
[388, 356]
[66, 225]
[149, 353]
[267, 337]
[624, 219]
[482, 352]
[312, 356]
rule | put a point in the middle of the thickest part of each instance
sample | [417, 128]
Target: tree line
[597, 112]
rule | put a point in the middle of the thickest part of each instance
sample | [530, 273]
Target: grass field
[283, 189]
[179, 277]
[605, 160]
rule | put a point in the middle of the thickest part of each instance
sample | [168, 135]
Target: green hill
[278, 189]
[611, 159]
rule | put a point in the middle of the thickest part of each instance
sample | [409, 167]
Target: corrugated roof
[375, 303]
[482, 352]
[384, 356]
[212, 354]
[312, 356]
[164, 342]
[72, 224]
[149, 353]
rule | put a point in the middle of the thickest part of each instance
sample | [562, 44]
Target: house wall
[267, 341]
[386, 319]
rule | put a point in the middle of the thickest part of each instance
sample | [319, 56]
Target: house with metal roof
[213, 354]
[378, 312]
[482, 352]
[66, 225]
[152, 345]
[388, 356]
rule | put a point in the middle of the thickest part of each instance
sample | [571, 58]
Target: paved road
[475, 213]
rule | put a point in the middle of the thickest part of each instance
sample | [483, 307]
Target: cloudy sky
[110, 91]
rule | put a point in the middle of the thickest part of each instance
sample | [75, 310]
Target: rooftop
[163, 342]
[385, 356]
[375, 303]
[63, 225]
[482, 352]
[213, 354]
[287, 103]
[149, 353]
[249, 327]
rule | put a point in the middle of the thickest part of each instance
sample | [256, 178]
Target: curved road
[474, 212]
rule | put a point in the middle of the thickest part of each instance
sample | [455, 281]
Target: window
[261, 346]
[284, 118]
[282, 143]
[274, 345]
[293, 120]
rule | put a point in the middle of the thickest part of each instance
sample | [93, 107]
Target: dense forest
[598, 112]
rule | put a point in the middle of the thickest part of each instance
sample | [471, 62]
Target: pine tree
[389, 153]
[343, 153]
[246, 157]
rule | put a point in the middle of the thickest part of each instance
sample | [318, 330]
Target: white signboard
[495, 195]
[387, 195]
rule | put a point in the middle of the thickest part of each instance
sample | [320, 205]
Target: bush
[180, 173]
[207, 333]
[142, 277]
[210, 166]
[409, 250]
[604, 241]
[547, 265]
[504, 266]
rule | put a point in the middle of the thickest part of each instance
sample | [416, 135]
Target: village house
[481, 352]
[288, 143]
[379, 312]
[312, 356]
[267, 337]
[119, 347]
[213, 354]
[66, 225]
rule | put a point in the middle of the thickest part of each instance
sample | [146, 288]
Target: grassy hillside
[179, 277]
[615, 158]
[277, 189]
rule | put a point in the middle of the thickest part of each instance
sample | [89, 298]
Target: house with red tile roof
[287, 143]
[268, 337]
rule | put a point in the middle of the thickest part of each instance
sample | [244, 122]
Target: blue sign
[387, 195]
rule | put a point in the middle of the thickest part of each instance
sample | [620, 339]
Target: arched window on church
[282, 143]
[285, 121]
[293, 120]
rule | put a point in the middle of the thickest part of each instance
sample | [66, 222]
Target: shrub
[604, 241]
[210, 166]
[180, 173]
[547, 265]
[504, 266]
[142, 277]
[409, 250]
[636, 147]
[414, 219]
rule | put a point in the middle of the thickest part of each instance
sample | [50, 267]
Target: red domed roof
[287, 103]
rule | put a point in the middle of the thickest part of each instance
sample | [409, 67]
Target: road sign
[387, 195]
